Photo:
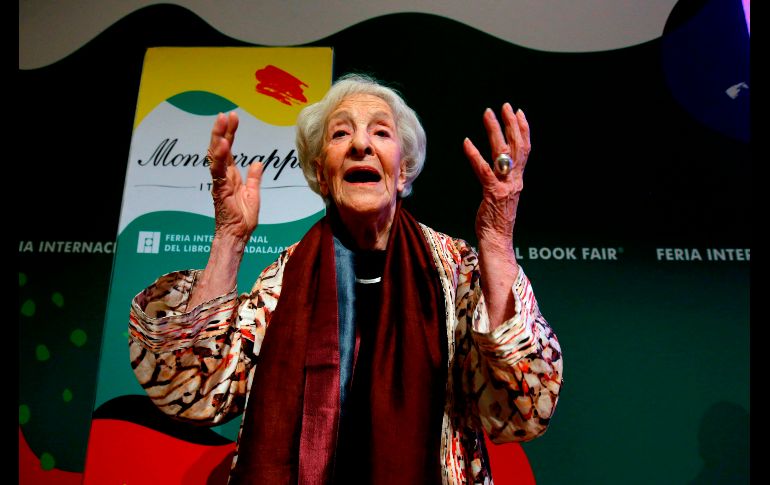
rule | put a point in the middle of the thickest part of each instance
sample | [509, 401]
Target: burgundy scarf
[292, 419]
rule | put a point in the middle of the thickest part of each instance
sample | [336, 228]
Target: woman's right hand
[236, 213]
[236, 204]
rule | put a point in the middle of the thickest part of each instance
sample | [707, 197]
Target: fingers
[220, 145]
[524, 126]
[218, 130]
[515, 142]
[218, 157]
[479, 165]
[517, 132]
[495, 133]
[254, 176]
[232, 127]
[225, 125]
[512, 127]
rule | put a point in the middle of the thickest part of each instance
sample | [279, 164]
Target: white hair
[311, 127]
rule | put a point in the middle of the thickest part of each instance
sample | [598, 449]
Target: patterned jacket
[197, 364]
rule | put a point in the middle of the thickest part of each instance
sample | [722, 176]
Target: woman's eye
[382, 133]
[339, 134]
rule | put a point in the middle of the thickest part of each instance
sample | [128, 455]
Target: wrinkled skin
[365, 134]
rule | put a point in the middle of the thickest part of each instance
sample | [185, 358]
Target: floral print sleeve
[504, 383]
[513, 374]
[196, 364]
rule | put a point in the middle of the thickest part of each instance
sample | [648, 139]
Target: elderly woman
[391, 347]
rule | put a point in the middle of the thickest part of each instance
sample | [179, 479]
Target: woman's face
[360, 166]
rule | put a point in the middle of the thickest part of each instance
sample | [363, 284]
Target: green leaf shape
[22, 279]
[201, 103]
[28, 308]
[78, 337]
[42, 353]
[47, 461]
[57, 299]
[24, 414]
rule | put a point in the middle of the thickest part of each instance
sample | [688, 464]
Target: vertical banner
[166, 224]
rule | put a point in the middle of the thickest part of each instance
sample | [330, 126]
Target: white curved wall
[49, 31]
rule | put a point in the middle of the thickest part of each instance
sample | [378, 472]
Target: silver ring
[503, 164]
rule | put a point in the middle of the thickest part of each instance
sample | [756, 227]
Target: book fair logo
[149, 242]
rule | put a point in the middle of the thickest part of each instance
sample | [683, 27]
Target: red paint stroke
[279, 84]
[509, 464]
[30, 472]
[120, 452]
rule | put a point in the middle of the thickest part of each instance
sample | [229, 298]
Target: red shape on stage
[122, 452]
[31, 473]
[509, 464]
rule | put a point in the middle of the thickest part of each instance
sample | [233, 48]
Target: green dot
[42, 353]
[28, 308]
[24, 414]
[66, 395]
[125, 334]
[46, 461]
[57, 299]
[78, 337]
[22, 279]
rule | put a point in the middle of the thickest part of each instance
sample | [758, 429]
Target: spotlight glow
[747, 13]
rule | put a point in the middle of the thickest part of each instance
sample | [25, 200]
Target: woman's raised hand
[497, 213]
[236, 213]
[236, 204]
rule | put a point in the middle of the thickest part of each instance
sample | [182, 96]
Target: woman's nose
[361, 145]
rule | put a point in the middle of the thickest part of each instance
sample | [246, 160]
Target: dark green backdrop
[633, 149]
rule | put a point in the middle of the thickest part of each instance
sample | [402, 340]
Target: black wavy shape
[140, 410]
[614, 157]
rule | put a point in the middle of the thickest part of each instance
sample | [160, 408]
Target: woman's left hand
[497, 213]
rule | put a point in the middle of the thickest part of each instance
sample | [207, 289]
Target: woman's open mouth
[362, 175]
